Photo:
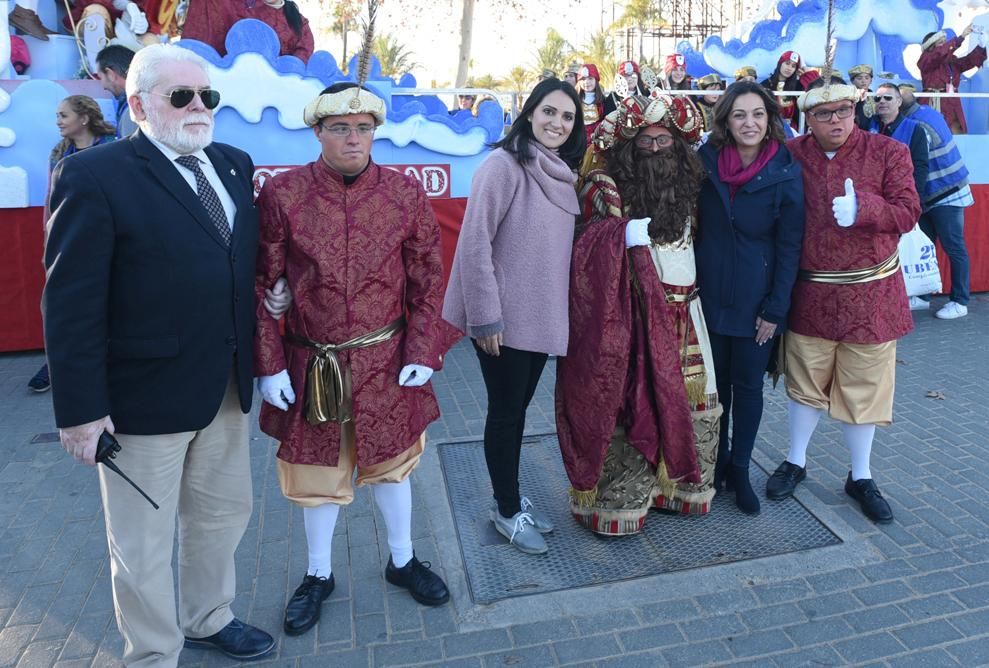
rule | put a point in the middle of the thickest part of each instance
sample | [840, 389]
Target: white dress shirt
[209, 171]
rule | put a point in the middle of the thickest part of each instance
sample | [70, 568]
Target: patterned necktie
[207, 196]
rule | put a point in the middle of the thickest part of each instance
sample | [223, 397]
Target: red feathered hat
[588, 70]
[628, 67]
[792, 56]
[674, 60]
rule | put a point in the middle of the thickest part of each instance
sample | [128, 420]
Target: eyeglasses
[181, 97]
[647, 141]
[884, 98]
[823, 116]
[345, 130]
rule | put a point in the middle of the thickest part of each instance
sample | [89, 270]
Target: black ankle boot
[745, 498]
[721, 479]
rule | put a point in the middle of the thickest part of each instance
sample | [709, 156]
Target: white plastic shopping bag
[918, 262]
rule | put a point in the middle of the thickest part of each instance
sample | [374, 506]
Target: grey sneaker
[520, 532]
[540, 521]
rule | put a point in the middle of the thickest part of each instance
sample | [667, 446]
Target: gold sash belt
[886, 268]
[329, 391]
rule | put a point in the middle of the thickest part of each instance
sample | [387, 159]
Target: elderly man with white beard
[137, 226]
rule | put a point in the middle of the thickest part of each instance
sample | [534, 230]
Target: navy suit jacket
[146, 310]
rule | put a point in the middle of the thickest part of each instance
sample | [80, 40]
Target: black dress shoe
[425, 586]
[874, 506]
[237, 640]
[303, 609]
[784, 480]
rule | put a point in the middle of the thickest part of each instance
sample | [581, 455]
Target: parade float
[263, 95]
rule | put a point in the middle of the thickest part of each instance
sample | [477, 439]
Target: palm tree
[554, 53]
[345, 15]
[640, 14]
[484, 81]
[600, 50]
[394, 57]
[519, 79]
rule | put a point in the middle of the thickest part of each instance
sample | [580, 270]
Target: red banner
[435, 179]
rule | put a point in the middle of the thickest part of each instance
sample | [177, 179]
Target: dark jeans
[740, 364]
[511, 380]
[947, 223]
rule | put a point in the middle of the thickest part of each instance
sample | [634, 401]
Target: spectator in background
[510, 280]
[890, 122]
[861, 76]
[944, 199]
[706, 102]
[786, 78]
[675, 69]
[80, 122]
[750, 228]
[592, 99]
[112, 64]
[941, 71]
[465, 102]
[571, 75]
[746, 73]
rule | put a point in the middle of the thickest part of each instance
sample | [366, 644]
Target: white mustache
[197, 119]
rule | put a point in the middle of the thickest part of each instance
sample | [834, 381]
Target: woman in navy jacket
[751, 225]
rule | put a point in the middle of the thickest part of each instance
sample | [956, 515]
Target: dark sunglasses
[181, 97]
[884, 98]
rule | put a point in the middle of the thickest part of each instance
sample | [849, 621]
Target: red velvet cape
[622, 364]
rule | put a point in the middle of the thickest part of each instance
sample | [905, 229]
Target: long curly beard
[662, 186]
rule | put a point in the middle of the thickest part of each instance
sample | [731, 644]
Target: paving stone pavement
[913, 593]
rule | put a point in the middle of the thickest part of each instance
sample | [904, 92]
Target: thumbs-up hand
[845, 207]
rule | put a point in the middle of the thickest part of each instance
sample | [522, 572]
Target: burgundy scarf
[730, 169]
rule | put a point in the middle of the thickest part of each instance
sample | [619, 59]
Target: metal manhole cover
[577, 558]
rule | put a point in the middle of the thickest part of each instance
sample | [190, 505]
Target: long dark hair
[722, 110]
[293, 17]
[793, 83]
[516, 140]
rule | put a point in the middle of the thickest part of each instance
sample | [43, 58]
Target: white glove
[277, 298]
[845, 207]
[414, 375]
[637, 232]
[277, 390]
[135, 18]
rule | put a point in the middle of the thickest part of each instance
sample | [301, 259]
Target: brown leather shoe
[29, 23]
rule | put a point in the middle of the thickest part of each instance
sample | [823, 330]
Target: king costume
[361, 253]
[636, 402]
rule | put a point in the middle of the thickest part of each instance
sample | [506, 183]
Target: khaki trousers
[311, 486]
[203, 477]
[853, 382]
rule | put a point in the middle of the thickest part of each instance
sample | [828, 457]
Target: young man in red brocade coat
[360, 248]
[849, 305]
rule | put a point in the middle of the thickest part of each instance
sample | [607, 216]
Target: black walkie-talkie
[106, 449]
